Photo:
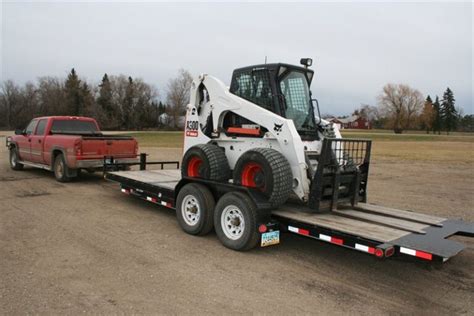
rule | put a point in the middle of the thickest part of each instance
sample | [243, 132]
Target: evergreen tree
[74, 101]
[449, 114]
[87, 101]
[106, 104]
[437, 121]
[128, 105]
[427, 115]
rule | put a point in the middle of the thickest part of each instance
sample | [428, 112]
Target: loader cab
[282, 89]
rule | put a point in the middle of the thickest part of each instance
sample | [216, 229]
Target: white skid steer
[263, 133]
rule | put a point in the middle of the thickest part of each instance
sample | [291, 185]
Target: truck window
[31, 127]
[41, 127]
[74, 127]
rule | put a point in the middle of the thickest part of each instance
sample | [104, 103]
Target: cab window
[254, 86]
[41, 127]
[31, 127]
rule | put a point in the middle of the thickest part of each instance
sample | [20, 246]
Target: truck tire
[235, 221]
[267, 170]
[195, 209]
[205, 161]
[61, 170]
[14, 159]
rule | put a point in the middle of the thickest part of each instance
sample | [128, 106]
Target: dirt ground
[85, 247]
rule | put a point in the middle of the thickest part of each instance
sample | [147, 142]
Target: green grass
[159, 139]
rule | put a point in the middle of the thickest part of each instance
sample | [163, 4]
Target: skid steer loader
[264, 133]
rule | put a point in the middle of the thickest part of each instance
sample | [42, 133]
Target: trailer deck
[376, 230]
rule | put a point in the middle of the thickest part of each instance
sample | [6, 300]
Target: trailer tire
[235, 221]
[60, 168]
[195, 209]
[14, 159]
[267, 170]
[205, 161]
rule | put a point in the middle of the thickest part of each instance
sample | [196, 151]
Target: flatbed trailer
[375, 230]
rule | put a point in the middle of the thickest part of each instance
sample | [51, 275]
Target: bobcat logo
[277, 127]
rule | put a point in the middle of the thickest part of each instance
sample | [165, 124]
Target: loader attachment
[341, 174]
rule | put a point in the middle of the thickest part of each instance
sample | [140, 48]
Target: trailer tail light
[389, 252]
[379, 253]
[262, 228]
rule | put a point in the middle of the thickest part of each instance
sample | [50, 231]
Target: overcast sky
[357, 48]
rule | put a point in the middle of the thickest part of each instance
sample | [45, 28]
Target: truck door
[37, 142]
[24, 141]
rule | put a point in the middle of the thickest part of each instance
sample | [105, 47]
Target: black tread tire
[207, 204]
[250, 236]
[64, 177]
[214, 167]
[16, 166]
[277, 173]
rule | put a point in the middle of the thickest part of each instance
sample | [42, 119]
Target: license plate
[270, 238]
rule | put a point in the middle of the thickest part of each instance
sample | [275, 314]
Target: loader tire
[267, 170]
[205, 161]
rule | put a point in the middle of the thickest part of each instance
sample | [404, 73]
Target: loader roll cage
[282, 89]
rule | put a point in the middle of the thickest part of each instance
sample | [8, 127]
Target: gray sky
[357, 48]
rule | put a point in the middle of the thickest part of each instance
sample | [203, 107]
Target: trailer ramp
[368, 227]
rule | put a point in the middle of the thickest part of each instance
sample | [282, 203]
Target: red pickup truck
[67, 144]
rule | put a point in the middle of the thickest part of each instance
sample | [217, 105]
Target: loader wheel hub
[194, 167]
[252, 176]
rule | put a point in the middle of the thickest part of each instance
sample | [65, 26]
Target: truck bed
[362, 227]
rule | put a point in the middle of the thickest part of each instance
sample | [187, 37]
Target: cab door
[24, 141]
[37, 142]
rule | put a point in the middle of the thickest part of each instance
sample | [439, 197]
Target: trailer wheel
[205, 161]
[235, 221]
[61, 170]
[14, 164]
[195, 209]
[267, 170]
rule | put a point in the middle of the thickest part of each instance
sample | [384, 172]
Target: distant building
[351, 122]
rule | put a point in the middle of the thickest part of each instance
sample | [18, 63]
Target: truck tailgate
[116, 146]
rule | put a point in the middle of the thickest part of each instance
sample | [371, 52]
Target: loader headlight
[306, 62]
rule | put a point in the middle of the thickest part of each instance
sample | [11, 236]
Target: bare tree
[401, 104]
[178, 94]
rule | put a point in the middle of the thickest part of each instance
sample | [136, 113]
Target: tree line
[401, 107]
[117, 102]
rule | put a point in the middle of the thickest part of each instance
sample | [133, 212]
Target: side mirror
[19, 131]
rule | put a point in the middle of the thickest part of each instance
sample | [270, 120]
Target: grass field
[457, 148]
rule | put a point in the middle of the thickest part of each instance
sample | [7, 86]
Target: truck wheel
[14, 164]
[235, 221]
[61, 169]
[205, 161]
[195, 209]
[266, 170]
